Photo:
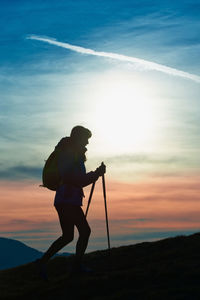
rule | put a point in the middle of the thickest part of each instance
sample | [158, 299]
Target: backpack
[50, 175]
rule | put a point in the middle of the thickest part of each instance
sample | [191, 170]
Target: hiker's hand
[101, 170]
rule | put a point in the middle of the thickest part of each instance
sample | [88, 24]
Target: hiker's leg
[84, 234]
[67, 226]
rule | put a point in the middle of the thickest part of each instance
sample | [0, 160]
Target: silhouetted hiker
[69, 195]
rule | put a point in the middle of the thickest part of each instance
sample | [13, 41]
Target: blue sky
[33, 74]
[151, 120]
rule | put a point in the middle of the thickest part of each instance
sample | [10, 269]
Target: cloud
[137, 212]
[154, 235]
[148, 159]
[21, 172]
[147, 65]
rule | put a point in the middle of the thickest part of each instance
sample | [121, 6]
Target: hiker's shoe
[41, 269]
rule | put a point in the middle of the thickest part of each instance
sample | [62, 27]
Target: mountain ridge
[15, 253]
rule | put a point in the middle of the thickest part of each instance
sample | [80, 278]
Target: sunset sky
[137, 89]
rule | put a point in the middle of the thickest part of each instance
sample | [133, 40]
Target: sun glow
[124, 117]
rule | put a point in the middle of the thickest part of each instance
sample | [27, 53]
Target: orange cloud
[160, 204]
[27, 213]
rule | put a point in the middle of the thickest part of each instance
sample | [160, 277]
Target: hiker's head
[80, 135]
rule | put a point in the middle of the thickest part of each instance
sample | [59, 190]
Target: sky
[128, 71]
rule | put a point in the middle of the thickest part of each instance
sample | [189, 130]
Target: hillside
[165, 269]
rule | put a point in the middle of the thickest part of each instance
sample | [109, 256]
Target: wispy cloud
[21, 172]
[149, 159]
[138, 211]
[148, 65]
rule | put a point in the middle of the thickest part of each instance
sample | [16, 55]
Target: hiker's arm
[84, 179]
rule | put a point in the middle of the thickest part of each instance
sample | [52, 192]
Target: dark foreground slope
[166, 269]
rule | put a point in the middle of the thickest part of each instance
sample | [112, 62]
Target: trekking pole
[106, 213]
[90, 198]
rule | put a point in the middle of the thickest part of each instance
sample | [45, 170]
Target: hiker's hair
[79, 131]
[76, 133]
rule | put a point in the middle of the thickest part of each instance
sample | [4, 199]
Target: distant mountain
[14, 253]
[166, 269]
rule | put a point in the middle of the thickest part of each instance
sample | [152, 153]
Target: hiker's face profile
[83, 141]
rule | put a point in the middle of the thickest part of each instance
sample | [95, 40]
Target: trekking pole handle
[103, 165]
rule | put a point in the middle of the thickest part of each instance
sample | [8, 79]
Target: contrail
[148, 65]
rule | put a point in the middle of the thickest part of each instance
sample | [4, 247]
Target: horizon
[144, 117]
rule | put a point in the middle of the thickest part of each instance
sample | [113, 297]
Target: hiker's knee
[89, 231]
[67, 238]
[85, 232]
